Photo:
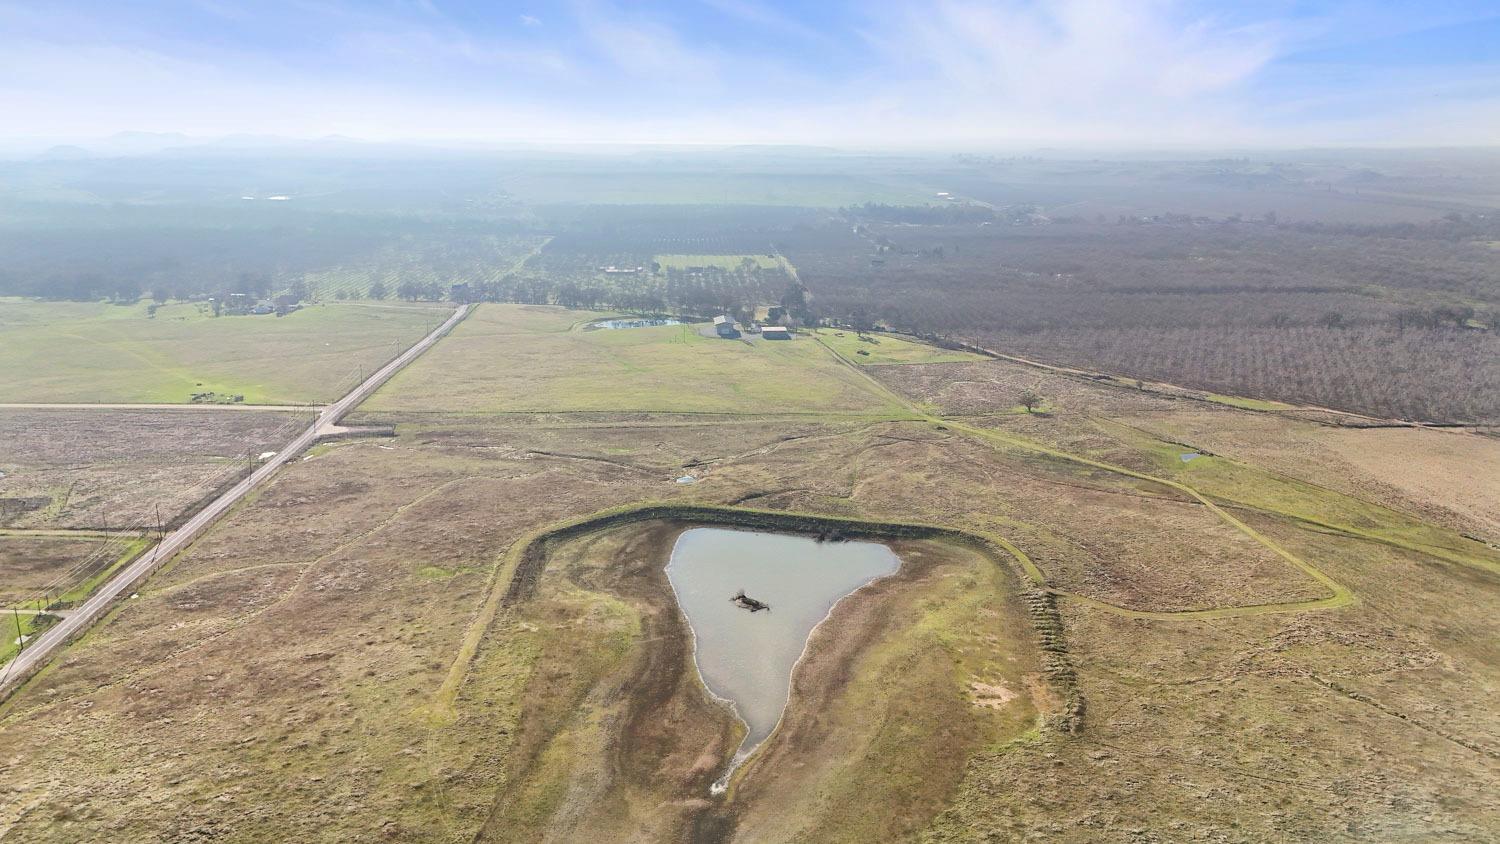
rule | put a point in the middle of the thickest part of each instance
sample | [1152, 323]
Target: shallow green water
[747, 658]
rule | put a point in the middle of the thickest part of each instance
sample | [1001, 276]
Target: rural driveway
[42, 649]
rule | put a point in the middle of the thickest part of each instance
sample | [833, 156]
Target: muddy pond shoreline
[678, 735]
[747, 660]
[674, 737]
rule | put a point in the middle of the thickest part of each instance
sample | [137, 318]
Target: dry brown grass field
[97, 468]
[342, 658]
[30, 563]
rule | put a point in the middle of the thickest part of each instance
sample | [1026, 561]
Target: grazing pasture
[47, 572]
[94, 352]
[383, 583]
[880, 349]
[30, 563]
[112, 469]
[1180, 611]
[510, 359]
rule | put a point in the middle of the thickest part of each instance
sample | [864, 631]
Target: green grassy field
[727, 262]
[1249, 404]
[507, 358]
[97, 352]
[10, 631]
[1244, 484]
[887, 349]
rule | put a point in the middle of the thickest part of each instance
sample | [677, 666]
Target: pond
[637, 322]
[746, 658]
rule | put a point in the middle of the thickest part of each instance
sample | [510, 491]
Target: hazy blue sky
[867, 73]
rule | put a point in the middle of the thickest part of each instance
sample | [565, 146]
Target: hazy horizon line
[110, 145]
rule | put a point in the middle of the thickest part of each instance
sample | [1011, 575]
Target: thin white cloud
[1098, 56]
[952, 72]
[761, 15]
[645, 48]
[435, 48]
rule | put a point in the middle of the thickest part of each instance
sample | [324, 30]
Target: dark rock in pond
[746, 602]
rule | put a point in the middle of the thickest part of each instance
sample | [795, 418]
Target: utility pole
[160, 534]
[20, 637]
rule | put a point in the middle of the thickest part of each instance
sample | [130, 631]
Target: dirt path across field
[1339, 595]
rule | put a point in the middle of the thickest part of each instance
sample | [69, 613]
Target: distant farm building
[724, 326]
[776, 332]
[614, 270]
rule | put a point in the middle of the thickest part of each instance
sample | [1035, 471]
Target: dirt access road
[36, 654]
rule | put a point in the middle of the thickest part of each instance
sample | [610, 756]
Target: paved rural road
[39, 651]
[93, 406]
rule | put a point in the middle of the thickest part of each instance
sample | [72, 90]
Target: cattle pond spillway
[746, 658]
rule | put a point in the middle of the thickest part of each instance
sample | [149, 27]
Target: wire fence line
[119, 540]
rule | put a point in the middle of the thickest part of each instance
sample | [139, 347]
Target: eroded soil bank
[619, 740]
[617, 733]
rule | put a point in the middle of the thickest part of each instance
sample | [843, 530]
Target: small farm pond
[747, 657]
[638, 322]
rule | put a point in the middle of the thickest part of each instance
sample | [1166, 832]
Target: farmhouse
[724, 326]
[776, 332]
